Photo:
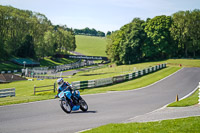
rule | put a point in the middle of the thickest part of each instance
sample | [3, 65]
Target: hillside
[90, 45]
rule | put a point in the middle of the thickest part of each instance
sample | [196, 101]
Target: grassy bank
[90, 45]
[8, 66]
[46, 62]
[184, 125]
[60, 61]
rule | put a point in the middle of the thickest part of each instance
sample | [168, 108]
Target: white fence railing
[7, 92]
[115, 79]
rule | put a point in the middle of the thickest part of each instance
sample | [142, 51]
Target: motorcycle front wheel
[83, 105]
[65, 106]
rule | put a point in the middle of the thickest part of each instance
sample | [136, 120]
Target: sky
[103, 15]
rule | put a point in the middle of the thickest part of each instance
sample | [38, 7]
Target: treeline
[89, 32]
[158, 38]
[24, 33]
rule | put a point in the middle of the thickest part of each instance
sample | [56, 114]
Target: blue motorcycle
[72, 101]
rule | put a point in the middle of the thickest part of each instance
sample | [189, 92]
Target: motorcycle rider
[63, 85]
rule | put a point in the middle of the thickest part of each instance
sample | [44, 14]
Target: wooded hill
[24, 33]
[161, 37]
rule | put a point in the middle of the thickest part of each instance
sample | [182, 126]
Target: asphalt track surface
[114, 107]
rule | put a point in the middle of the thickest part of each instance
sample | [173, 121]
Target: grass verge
[184, 125]
[189, 101]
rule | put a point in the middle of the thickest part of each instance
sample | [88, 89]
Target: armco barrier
[118, 79]
[115, 79]
[102, 82]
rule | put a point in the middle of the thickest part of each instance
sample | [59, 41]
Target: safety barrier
[7, 92]
[115, 79]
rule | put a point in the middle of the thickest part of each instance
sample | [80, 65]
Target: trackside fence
[115, 79]
[7, 92]
[53, 88]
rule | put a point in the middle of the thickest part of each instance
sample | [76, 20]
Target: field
[90, 45]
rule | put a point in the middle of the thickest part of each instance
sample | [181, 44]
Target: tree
[88, 31]
[194, 31]
[27, 48]
[157, 30]
[125, 45]
[27, 34]
[108, 33]
[133, 42]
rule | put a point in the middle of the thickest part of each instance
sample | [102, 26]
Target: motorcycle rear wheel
[83, 105]
[65, 106]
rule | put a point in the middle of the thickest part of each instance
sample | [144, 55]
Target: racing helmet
[60, 82]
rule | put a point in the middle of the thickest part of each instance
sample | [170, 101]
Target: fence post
[54, 87]
[34, 89]
[14, 92]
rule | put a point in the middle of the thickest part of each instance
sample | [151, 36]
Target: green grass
[189, 101]
[184, 125]
[90, 45]
[60, 61]
[8, 66]
[24, 91]
[184, 62]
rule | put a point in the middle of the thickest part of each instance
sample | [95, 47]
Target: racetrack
[114, 107]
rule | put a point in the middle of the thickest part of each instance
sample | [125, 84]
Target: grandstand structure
[25, 62]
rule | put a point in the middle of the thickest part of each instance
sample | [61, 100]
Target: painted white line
[83, 130]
